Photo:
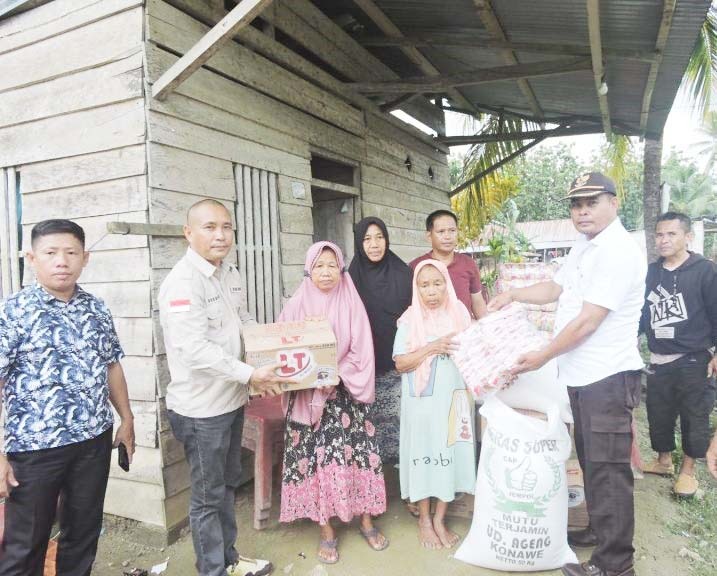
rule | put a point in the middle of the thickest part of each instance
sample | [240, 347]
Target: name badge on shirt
[666, 332]
[235, 289]
[213, 299]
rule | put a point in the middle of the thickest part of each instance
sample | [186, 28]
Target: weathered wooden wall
[258, 104]
[89, 143]
[72, 124]
[279, 108]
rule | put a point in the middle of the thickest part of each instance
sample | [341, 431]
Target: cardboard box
[308, 349]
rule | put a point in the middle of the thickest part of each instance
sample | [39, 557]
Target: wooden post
[593, 7]
[241, 229]
[387, 26]
[241, 15]
[668, 11]
[523, 135]
[275, 254]
[5, 277]
[431, 40]
[439, 84]
[266, 248]
[144, 229]
[250, 247]
[258, 247]
[652, 164]
[494, 27]
[14, 249]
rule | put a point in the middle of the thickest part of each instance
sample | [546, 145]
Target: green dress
[437, 443]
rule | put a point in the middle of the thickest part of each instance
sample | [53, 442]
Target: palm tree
[691, 190]
[485, 197]
[480, 205]
[708, 146]
[698, 83]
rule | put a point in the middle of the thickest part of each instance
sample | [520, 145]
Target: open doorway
[334, 219]
[335, 197]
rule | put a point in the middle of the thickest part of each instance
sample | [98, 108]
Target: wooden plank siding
[89, 143]
[170, 28]
[72, 125]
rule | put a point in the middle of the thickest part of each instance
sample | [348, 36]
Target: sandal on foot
[658, 468]
[329, 545]
[373, 533]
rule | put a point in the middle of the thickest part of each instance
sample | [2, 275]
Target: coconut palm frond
[617, 153]
[484, 198]
[477, 208]
[707, 148]
[691, 190]
[699, 80]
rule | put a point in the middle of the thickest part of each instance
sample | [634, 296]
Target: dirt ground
[292, 548]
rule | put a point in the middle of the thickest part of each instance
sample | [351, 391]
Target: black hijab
[385, 288]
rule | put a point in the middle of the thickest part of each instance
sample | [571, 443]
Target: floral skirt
[334, 470]
[386, 414]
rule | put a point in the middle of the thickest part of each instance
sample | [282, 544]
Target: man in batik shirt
[59, 370]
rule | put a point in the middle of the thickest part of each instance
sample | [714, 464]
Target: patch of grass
[698, 517]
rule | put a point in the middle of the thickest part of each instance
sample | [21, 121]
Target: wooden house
[119, 114]
[260, 128]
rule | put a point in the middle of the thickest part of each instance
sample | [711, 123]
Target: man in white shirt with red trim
[202, 313]
[599, 291]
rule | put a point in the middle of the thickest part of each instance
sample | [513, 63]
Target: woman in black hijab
[384, 282]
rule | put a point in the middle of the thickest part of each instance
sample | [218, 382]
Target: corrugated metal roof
[546, 234]
[625, 24]
[541, 233]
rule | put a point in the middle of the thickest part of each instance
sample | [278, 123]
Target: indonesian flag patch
[181, 305]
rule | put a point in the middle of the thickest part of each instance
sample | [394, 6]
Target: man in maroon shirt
[442, 233]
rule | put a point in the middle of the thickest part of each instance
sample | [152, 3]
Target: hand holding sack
[520, 521]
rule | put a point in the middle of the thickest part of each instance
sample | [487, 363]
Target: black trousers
[603, 439]
[79, 471]
[681, 388]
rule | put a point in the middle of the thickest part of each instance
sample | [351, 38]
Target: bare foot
[447, 538]
[427, 536]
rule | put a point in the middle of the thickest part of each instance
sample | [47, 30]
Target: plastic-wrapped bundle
[522, 274]
[490, 347]
[543, 320]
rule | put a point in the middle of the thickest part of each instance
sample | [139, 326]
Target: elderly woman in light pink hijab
[332, 466]
[437, 443]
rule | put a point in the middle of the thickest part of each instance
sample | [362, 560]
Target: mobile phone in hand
[122, 457]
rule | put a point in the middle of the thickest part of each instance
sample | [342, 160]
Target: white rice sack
[538, 390]
[489, 348]
[520, 519]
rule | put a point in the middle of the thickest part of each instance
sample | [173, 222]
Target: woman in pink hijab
[437, 445]
[332, 466]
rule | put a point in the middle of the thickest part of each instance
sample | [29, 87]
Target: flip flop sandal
[368, 534]
[328, 545]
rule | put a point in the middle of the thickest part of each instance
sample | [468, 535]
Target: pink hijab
[452, 316]
[343, 308]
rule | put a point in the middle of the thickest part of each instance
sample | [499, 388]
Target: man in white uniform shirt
[201, 311]
[599, 290]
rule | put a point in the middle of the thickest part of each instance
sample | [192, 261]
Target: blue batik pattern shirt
[54, 359]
